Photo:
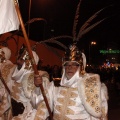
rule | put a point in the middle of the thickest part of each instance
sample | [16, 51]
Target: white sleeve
[104, 97]
[42, 111]
[36, 95]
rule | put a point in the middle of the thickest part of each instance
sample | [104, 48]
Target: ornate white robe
[81, 98]
[24, 91]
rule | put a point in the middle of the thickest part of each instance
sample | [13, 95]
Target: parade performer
[24, 92]
[80, 96]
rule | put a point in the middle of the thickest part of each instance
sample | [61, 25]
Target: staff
[31, 55]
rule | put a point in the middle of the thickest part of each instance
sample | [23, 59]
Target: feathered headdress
[73, 53]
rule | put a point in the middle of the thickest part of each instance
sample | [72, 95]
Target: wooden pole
[31, 55]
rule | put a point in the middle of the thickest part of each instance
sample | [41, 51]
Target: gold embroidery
[3, 104]
[69, 111]
[40, 111]
[59, 108]
[71, 103]
[42, 106]
[63, 92]
[6, 71]
[64, 102]
[16, 90]
[31, 85]
[73, 95]
[60, 100]
[91, 91]
[58, 117]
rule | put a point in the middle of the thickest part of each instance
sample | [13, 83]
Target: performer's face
[20, 62]
[70, 69]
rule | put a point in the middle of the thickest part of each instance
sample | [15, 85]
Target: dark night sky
[60, 16]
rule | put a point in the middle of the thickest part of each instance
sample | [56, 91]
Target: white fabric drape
[8, 16]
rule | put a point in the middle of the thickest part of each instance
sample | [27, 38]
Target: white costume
[82, 97]
[24, 91]
[6, 69]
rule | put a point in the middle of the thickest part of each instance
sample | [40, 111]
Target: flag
[8, 16]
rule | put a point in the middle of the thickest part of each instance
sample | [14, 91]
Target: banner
[8, 16]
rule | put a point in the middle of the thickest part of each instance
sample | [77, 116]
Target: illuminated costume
[82, 97]
[24, 92]
[6, 68]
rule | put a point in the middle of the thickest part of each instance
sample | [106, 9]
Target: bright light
[93, 43]
[113, 58]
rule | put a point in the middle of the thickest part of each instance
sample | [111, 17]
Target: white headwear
[18, 74]
[72, 81]
[7, 52]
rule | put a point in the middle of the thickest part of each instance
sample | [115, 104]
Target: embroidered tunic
[83, 98]
[24, 92]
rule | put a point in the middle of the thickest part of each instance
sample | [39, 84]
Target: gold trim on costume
[91, 92]
[31, 85]
[6, 71]
[64, 102]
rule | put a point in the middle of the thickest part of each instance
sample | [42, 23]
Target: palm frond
[76, 20]
[54, 40]
[89, 28]
[87, 23]
[28, 22]
[34, 20]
